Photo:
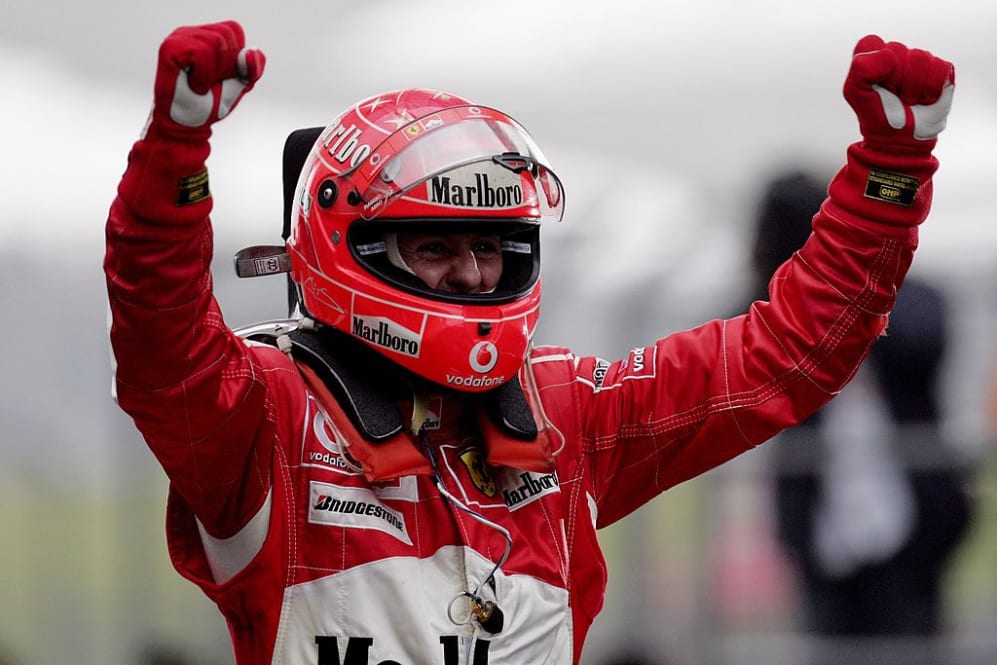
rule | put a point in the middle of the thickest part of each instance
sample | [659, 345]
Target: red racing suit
[312, 561]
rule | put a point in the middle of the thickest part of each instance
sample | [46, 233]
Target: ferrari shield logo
[478, 470]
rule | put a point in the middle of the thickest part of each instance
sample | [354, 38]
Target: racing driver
[395, 474]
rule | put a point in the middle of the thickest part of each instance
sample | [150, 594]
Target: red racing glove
[902, 99]
[202, 74]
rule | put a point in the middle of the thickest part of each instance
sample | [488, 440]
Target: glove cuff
[887, 187]
[167, 180]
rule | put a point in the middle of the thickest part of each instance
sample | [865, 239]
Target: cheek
[491, 272]
[430, 273]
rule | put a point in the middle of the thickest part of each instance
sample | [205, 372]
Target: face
[453, 262]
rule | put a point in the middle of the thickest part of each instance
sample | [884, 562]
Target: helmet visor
[430, 160]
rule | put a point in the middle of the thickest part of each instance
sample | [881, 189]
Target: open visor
[471, 158]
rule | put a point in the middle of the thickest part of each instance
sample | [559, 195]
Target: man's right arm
[192, 388]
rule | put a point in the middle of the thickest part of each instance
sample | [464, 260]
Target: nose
[464, 275]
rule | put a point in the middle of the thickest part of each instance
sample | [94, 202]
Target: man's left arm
[695, 399]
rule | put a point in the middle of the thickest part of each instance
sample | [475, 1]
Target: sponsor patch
[640, 363]
[478, 471]
[521, 488]
[891, 187]
[366, 249]
[483, 357]
[387, 334]
[476, 189]
[354, 507]
[331, 455]
[193, 188]
[474, 381]
[433, 413]
[345, 145]
[517, 247]
[599, 372]
[431, 121]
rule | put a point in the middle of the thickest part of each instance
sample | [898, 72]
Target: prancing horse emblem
[478, 470]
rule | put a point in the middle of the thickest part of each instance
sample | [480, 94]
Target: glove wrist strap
[167, 180]
[887, 187]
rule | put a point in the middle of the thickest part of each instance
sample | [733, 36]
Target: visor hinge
[516, 162]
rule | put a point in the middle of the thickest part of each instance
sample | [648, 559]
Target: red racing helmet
[427, 161]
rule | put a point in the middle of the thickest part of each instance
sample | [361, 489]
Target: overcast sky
[704, 92]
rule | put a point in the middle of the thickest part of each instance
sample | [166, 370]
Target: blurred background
[665, 120]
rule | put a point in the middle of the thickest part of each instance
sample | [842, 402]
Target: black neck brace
[369, 386]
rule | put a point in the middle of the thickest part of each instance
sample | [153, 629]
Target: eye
[432, 250]
[487, 248]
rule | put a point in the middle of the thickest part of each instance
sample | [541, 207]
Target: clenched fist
[202, 74]
[901, 96]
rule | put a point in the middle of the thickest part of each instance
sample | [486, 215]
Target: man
[396, 475]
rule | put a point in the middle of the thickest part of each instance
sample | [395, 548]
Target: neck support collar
[368, 386]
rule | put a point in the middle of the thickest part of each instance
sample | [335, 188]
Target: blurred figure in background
[6, 658]
[870, 503]
[992, 405]
[632, 657]
[163, 654]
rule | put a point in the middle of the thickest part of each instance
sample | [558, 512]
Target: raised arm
[190, 385]
[698, 398]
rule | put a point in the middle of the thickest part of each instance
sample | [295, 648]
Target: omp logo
[889, 192]
[483, 357]
[895, 188]
[355, 507]
[387, 334]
